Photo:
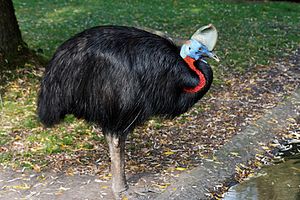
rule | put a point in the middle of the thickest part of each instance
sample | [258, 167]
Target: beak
[213, 56]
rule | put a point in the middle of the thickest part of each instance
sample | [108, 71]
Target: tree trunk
[11, 43]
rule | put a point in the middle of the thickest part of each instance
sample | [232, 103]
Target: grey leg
[117, 155]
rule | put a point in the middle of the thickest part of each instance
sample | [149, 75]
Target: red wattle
[202, 81]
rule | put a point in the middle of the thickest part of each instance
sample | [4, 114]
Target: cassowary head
[201, 44]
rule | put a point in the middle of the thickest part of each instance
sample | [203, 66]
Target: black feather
[117, 77]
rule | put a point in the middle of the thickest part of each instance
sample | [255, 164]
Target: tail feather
[50, 107]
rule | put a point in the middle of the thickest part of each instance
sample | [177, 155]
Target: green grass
[23, 139]
[249, 33]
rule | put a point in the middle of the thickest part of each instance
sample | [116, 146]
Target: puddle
[277, 182]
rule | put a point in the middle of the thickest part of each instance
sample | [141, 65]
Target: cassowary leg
[117, 155]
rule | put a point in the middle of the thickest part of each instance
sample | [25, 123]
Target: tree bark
[11, 42]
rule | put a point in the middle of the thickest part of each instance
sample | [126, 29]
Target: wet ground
[192, 185]
[277, 182]
[210, 172]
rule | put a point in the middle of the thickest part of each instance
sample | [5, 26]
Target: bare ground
[172, 147]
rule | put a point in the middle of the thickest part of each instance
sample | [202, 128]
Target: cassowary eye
[189, 48]
[200, 49]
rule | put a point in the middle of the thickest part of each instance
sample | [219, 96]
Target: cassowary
[118, 77]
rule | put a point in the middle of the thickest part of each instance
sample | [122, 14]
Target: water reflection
[278, 182]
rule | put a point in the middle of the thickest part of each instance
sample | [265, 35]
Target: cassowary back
[117, 77]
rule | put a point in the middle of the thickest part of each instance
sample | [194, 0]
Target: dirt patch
[158, 152]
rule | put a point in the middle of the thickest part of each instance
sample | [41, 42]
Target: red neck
[202, 81]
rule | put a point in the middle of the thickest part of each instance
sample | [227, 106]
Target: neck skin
[202, 80]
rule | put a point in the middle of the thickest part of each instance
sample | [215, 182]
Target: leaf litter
[160, 149]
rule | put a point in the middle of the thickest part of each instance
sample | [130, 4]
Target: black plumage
[118, 77]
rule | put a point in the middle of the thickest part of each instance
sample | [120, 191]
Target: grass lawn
[249, 34]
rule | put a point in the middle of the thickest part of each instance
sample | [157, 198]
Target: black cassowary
[118, 77]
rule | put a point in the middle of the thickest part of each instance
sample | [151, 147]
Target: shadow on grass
[9, 72]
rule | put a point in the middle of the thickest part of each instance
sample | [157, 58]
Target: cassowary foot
[119, 192]
[119, 189]
[131, 193]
